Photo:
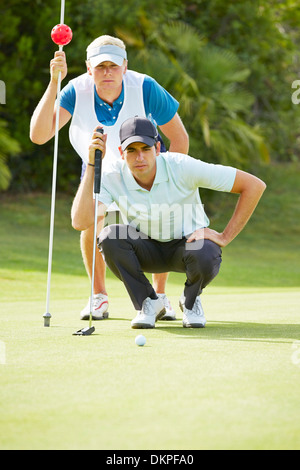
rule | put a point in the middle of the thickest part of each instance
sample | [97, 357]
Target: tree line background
[230, 64]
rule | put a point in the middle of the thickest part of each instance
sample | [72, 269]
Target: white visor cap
[108, 53]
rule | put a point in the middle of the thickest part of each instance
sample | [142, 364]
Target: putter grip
[98, 167]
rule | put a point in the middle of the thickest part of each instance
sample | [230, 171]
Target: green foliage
[265, 37]
[208, 82]
[7, 146]
[229, 64]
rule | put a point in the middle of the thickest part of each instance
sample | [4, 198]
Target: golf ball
[140, 340]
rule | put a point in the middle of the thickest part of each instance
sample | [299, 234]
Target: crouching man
[167, 229]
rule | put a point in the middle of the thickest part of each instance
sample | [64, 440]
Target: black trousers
[129, 254]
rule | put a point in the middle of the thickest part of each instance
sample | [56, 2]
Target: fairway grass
[233, 385]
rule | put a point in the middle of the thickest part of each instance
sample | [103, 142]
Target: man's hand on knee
[208, 234]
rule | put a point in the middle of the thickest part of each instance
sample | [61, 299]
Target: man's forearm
[83, 207]
[180, 145]
[82, 212]
[245, 207]
[41, 125]
[177, 135]
[250, 189]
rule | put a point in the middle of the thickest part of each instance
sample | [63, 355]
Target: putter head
[85, 331]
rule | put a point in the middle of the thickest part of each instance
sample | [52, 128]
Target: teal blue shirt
[172, 209]
[159, 104]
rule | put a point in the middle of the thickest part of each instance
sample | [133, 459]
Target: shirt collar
[160, 177]
[119, 101]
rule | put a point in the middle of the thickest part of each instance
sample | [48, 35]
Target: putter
[87, 331]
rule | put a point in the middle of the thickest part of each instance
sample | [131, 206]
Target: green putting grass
[233, 385]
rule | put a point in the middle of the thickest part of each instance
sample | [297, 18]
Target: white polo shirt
[172, 209]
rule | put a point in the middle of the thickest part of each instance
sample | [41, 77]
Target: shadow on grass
[237, 331]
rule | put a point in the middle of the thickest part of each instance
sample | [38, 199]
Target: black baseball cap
[138, 129]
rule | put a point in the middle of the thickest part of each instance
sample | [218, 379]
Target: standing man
[107, 94]
[167, 227]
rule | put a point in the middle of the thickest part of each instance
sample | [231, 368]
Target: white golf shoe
[192, 318]
[170, 314]
[152, 310]
[100, 307]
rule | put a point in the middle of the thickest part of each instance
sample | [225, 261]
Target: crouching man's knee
[108, 237]
[114, 236]
[204, 259]
[120, 233]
